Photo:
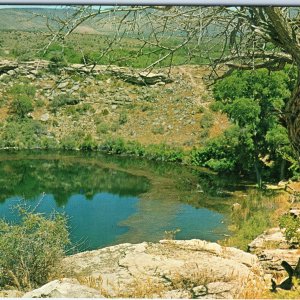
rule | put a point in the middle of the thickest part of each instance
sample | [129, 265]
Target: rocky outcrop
[141, 78]
[168, 269]
[31, 69]
[271, 238]
[64, 288]
[6, 66]
[271, 260]
[272, 248]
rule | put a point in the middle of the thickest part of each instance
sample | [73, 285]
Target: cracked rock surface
[168, 269]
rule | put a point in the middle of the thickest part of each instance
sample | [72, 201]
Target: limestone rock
[6, 65]
[11, 72]
[64, 288]
[272, 248]
[142, 78]
[272, 238]
[63, 85]
[45, 117]
[295, 212]
[271, 259]
[177, 268]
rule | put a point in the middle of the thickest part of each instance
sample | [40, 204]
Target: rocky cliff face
[168, 269]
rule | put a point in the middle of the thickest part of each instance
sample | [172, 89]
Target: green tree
[253, 101]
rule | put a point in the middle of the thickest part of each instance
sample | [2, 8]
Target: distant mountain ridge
[35, 19]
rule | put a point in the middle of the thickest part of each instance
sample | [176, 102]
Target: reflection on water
[110, 200]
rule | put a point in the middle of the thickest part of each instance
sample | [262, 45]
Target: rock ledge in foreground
[168, 269]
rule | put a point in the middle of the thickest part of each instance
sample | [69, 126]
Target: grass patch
[257, 212]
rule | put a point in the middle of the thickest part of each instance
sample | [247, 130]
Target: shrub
[85, 107]
[74, 140]
[62, 100]
[114, 146]
[102, 128]
[69, 142]
[123, 118]
[163, 152]
[292, 227]
[57, 63]
[88, 143]
[158, 130]
[24, 134]
[114, 127]
[220, 154]
[21, 106]
[31, 250]
[39, 103]
[207, 120]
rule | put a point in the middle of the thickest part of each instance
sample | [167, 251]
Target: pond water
[110, 200]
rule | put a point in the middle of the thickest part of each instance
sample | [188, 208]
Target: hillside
[70, 107]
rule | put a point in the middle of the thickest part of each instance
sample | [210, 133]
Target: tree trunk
[282, 169]
[258, 175]
[292, 116]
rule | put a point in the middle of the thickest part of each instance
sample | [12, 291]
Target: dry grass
[95, 283]
[190, 280]
[147, 288]
[139, 288]
[253, 289]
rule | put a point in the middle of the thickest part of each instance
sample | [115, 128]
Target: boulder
[64, 288]
[172, 269]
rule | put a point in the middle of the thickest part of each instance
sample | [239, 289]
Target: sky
[54, 3]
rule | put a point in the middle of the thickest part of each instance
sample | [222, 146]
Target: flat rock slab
[168, 269]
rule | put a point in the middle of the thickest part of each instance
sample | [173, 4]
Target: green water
[111, 200]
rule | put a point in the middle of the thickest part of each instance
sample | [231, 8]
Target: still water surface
[110, 200]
